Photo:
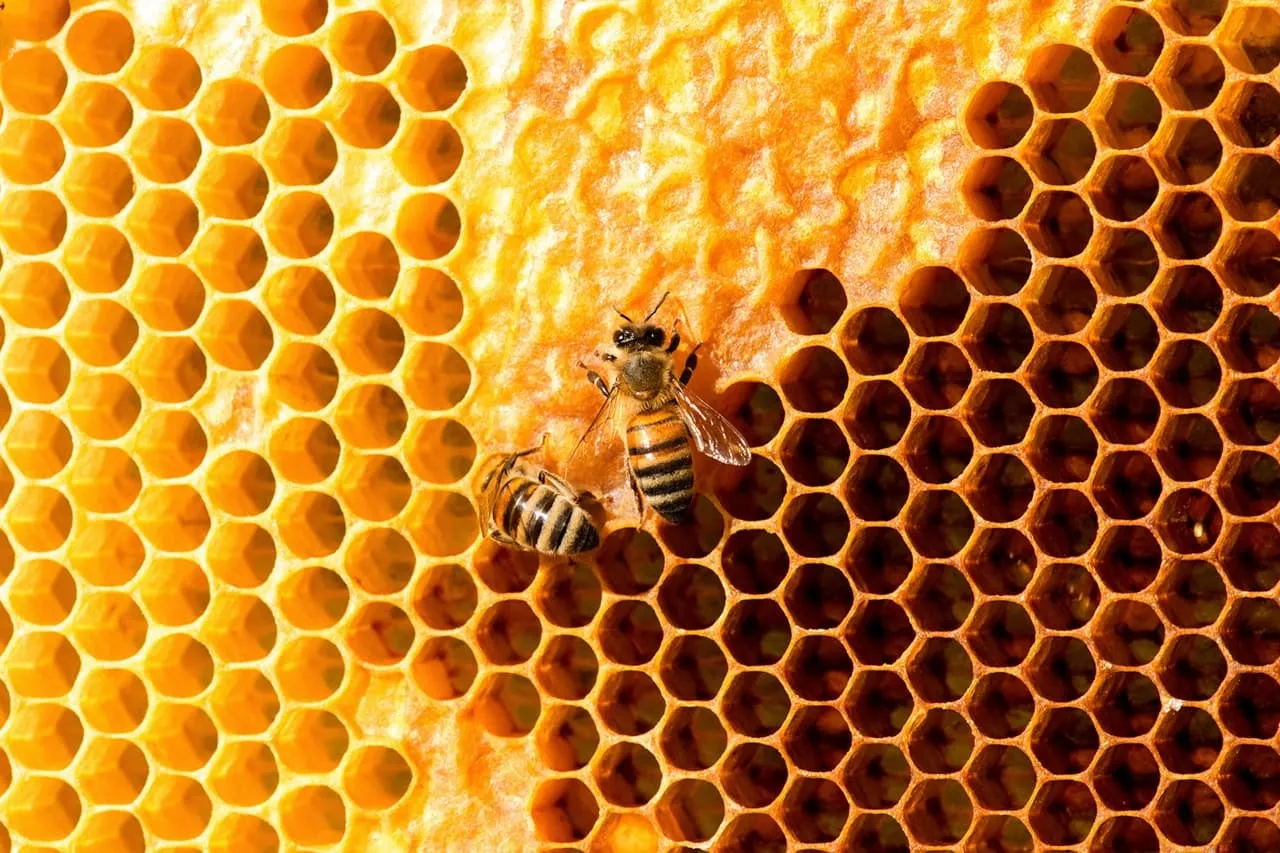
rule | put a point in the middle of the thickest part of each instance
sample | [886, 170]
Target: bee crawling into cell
[528, 507]
[659, 417]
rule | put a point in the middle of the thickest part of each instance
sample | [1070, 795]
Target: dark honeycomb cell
[815, 810]
[1187, 151]
[814, 379]
[693, 738]
[1251, 777]
[875, 341]
[1251, 556]
[941, 598]
[1127, 485]
[755, 704]
[697, 538]
[877, 488]
[1001, 705]
[939, 523]
[630, 632]
[940, 670]
[1187, 374]
[1250, 38]
[1062, 669]
[818, 669]
[1063, 812]
[1061, 152]
[1189, 447]
[1127, 261]
[1189, 521]
[877, 414]
[1128, 558]
[998, 338]
[1059, 224]
[691, 597]
[509, 633]
[816, 525]
[1250, 190]
[1063, 448]
[629, 561]
[1188, 225]
[693, 667]
[754, 561]
[1132, 116]
[630, 703]
[1125, 188]
[1128, 633]
[753, 831]
[999, 411]
[1188, 299]
[1251, 117]
[566, 738]
[1250, 483]
[1001, 561]
[1125, 411]
[564, 810]
[996, 188]
[1251, 631]
[934, 301]
[1251, 261]
[814, 302]
[879, 703]
[877, 776]
[814, 452]
[1193, 668]
[1192, 594]
[1064, 597]
[1188, 740]
[1250, 835]
[1249, 340]
[1250, 706]
[569, 595]
[995, 261]
[1062, 78]
[627, 775]
[938, 451]
[1000, 488]
[567, 668]
[817, 738]
[1000, 634]
[1128, 41]
[754, 774]
[1189, 813]
[941, 742]
[1065, 741]
[1062, 299]
[998, 115]
[755, 409]
[1062, 374]
[937, 375]
[879, 632]
[752, 492]
[756, 632]
[1126, 777]
[938, 812]
[818, 596]
[1128, 704]
[1190, 77]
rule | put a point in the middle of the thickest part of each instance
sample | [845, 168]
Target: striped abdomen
[661, 459]
[538, 517]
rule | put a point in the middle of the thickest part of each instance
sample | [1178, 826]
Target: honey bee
[659, 417]
[529, 507]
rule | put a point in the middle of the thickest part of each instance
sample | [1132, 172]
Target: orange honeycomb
[987, 286]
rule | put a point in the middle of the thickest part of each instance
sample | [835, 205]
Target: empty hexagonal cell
[1193, 668]
[369, 341]
[1061, 669]
[630, 561]
[1250, 111]
[180, 736]
[311, 524]
[1061, 151]
[35, 294]
[999, 412]
[941, 599]
[1250, 266]
[1251, 777]
[627, 775]
[1127, 485]
[1188, 740]
[101, 332]
[817, 738]
[756, 632]
[509, 632]
[31, 151]
[1190, 76]
[1128, 633]
[1125, 411]
[877, 776]
[1000, 488]
[1132, 117]
[631, 704]
[428, 226]
[232, 186]
[692, 739]
[1063, 448]
[297, 76]
[1126, 187]
[241, 628]
[879, 559]
[440, 376]
[690, 810]
[877, 488]
[1250, 38]
[98, 257]
[300, 151]
[445, 668]
[243, 702]
[1001, 562]
[816, 525]
[1250, 706]
[1065, 740]
[814, 379]
[815, 810]
[1248, 483]
[875, 341]
[934, 301]
[1189, 225]
[37, 82]
[1001, 634]
[877, 414]
[938, 812]
[1063, 78]
[47, 736]
[814, 302]
[564, 810]
[692, 597]
[630, 633]
[1063, 812]
[40, 518]
[1001, 706]
[1059, 224]
[1063, 374]
[1250, 555]
[373, 416]
[39, 444]
[940, 670]
[998, 338]
[1127, 262]
[376, 777]
[1128, 558]
[996, 188]
[754, 774]
[1249, 341]
[940, 742]
[508, 705]
[43, 808]
[814, 452]
[313, 814]
[995, 261]
[879, 632]
[98, 184]
[374, 486]
[566, 738]
[938, 523]
[937, 375]
[1192, 594]
[879, 703]
[1249, 188]
[1002, 778]
[755, 704]
[818, 596]
[1189, 813]
[1189, 521]
[164, 78]
[998, 115]
[299, 224]
[1251, 631]
[95, 114]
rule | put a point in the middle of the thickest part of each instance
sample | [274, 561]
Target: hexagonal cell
[232, 186]
[1189, 225]
[693, 668]
[938, 812]
[42, 808]
[509, 632]
[1064, 597]
[690, 810]
[1062, 374]
[1250, 556]
[756, 632]
[1251, 777]
[432, 78]
[1250, 706]
[996, 188]
[1001, 562]
[1250, 38]
[1244, 835]
[243, 702]
[1193, 668]
[1063, 813]
[874, 341]
[367, 114]
[1001, 634]
[998, 115]
[1000, 488]
[941, 599]
[100, 42]
[1251, 631]
[815, 810]
[995, 261]
[813, 302]
[439, 376]
[1127, 261]
[630, 561]
[814, 452]
[879, 632]
[116, 700]
[879, 559]
[311, 524]
[175, 807]
[445, 668]
[376, 777]
[1192, 594]
[566, 738]
[1062, 299]
[1189, 521]
[1188, 740]
[507, 570]
[755, 704]
[1059, 224]
[1125, 411]
[101, 332]
[1061, 151]
[1128, 558]
[1189, 813]
[110, 626]
[627, 775]
[300, 151]
[879, 703]
[111, 828]
[814, 379]
[1250, 115]
[754, 774]
[241, 628]
[1002, 778]
[998, 338]
[40, 518]
[940, 742]
[95, 114]
[1248, 483]
[181, 737]
[37, 80]
[1001, 706]
[877, 414]
[816, 525]
[877, 776]
[1062, 669]
[999, 411]
[508, 705]
[31, 151]
[1250, 266]
[1249, 188]
[38, 443]
[1129, 704]
[232, 112]
[817, 738]
[691, 597]
[754, 561]
[1190, 76]
[35, 295]
[164, 78]
[938, 523]
[98, 184]
[630, 632]
[47, 736]
[877, 488]
[1249, 341]
[940, 670]
[1126, 187]
[937, 375]
[369, 341]
[1128, 41]
[1132, 116]
[1127, 485]
[1125, 337]
[1063, 78]
[163, 222]
[933, 301]
[692, 739]
[33, 222]
[299, 224]
[1128, 633]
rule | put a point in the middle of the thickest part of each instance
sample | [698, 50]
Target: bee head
[632, 337]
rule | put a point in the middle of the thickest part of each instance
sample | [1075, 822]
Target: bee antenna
[656, 307]
[623, 316]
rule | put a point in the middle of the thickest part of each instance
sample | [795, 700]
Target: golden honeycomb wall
[988, 287]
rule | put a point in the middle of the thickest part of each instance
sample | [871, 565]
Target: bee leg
[674, 344]
[546, 478]
[598, 382]
[690, 364]
[503, 539]
[635, 491]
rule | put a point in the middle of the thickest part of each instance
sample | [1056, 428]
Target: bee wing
[712, 433]
[600, 433]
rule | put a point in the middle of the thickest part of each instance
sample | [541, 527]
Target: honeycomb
[991, 289]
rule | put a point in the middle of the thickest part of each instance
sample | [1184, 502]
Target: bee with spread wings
[659, 418]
